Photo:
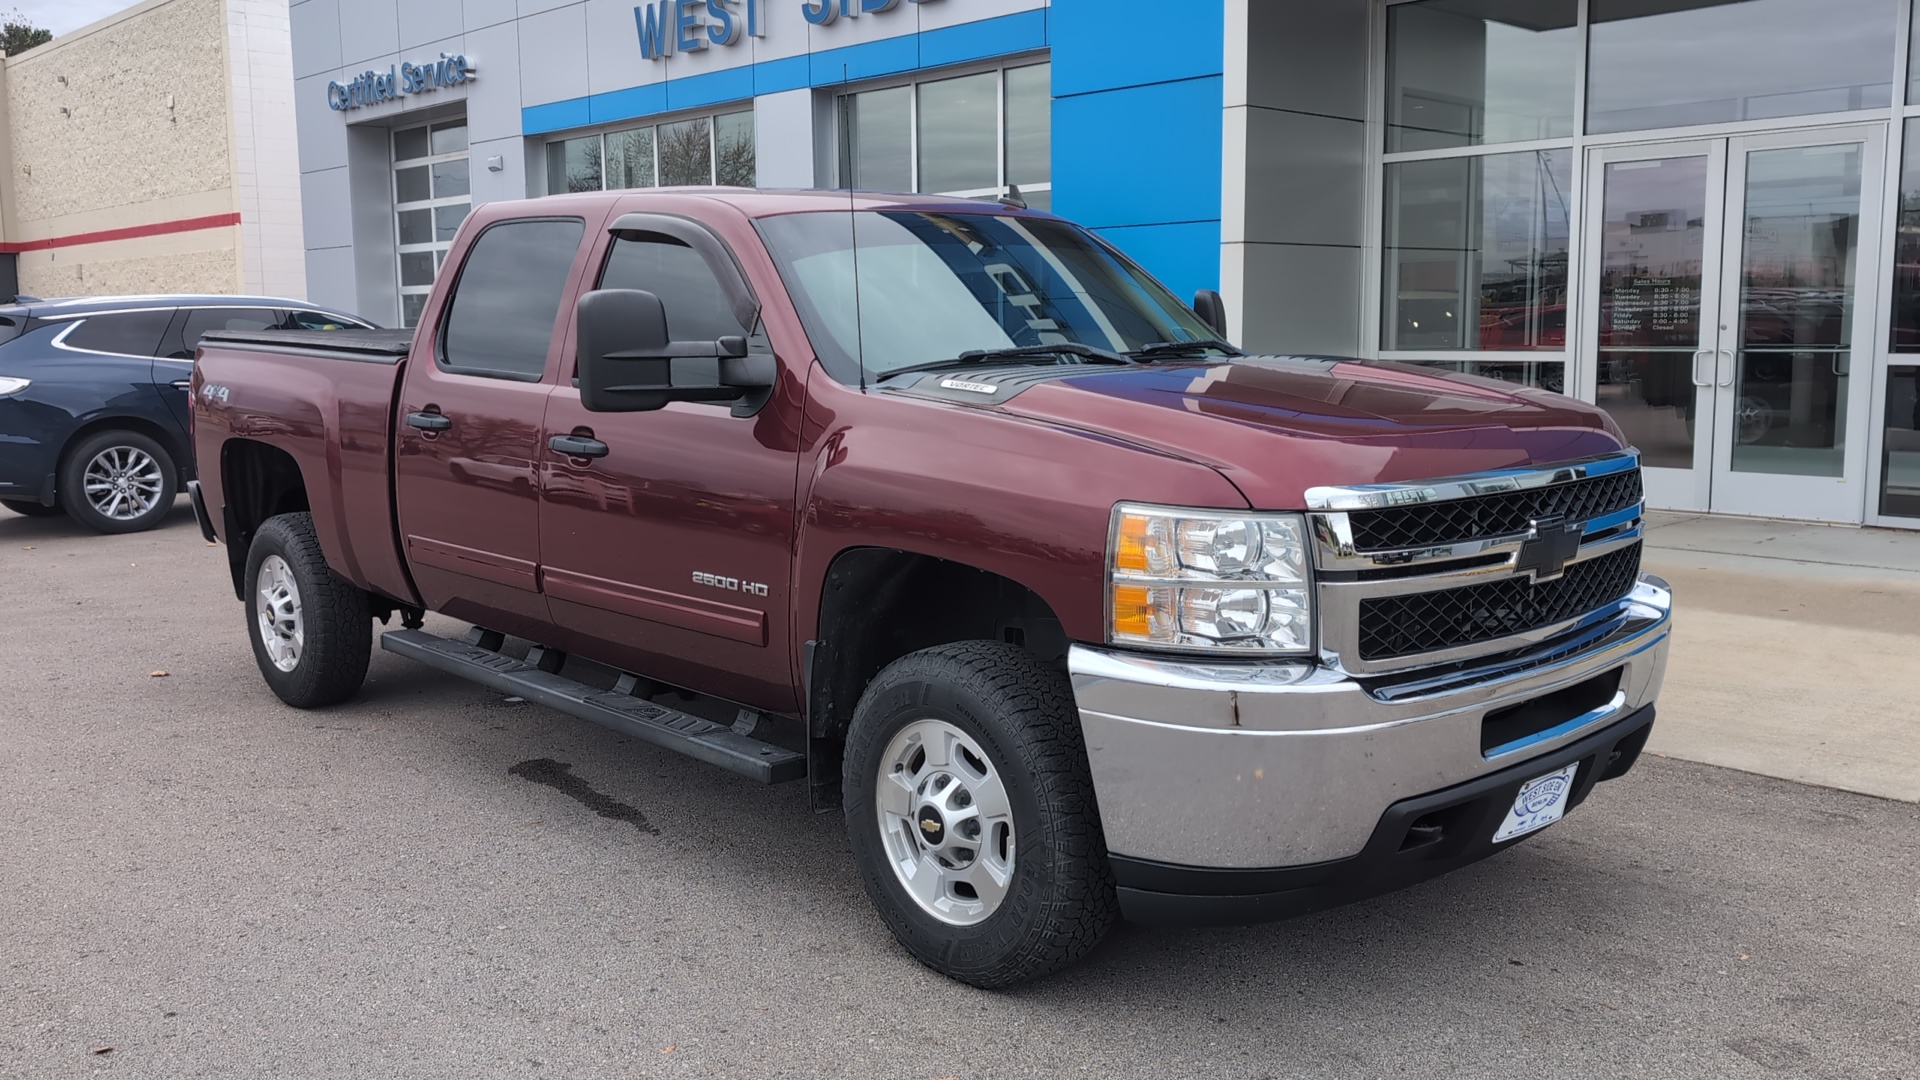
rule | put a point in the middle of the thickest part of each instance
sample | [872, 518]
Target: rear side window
[317, 320]
[201, 320]
[507, 300]
[697, 306]
[130, 333]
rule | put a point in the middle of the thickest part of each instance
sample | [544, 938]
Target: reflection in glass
[733, 149]
[450, 138]
[1467, 72]
[1672, 63]
[1900, 461]
[416, 268]
[686, 153]
[410, 144]
[416, 226]
[1030, 125]
[1476, 252]
[959, 123]
[877, 140]
[450, 178]
[1906, 248]
[629, 157]
[411, 305]
[573, 165]
[411, 185]
[1652, 247]
[1544, 374]
[447, 219]
[1797, 280]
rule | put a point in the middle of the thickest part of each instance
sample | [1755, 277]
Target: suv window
[697, 307]
[317, 320]
[130, 333]
[201, 320]
[507, 299]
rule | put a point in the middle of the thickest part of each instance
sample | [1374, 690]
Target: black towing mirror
[627, 363]
[1212, 311]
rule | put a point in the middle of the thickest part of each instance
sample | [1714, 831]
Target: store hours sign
[670, 26]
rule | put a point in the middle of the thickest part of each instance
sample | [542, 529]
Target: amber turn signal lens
[1133, 611]
[1132, 548]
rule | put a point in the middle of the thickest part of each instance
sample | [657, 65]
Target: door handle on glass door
[1726, 374]
[577, 446]
[1697, 380]
[428, 421]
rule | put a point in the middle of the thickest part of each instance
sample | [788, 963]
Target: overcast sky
[63, 16]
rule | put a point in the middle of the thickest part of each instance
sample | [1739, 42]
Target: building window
[702, 150]
[1469, 72]
[431, 196]
[973, 136]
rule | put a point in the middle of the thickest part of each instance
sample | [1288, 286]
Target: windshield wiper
[1182, 348]
[979, 356]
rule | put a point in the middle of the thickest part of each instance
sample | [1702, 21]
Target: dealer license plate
[1541, 802]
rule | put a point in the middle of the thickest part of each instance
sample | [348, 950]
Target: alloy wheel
[282, 630]
[123, 483]
[946, 822]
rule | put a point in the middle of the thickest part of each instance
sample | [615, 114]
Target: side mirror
[1212, 310]
[627, 363]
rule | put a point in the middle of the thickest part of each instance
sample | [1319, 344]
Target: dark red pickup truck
[948, 509]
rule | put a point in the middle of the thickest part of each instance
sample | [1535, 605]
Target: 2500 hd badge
[731, 584]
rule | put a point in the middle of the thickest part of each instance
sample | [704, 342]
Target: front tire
[118, 482]
[311, 630]
[971, 814]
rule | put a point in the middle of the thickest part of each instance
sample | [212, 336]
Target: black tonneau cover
[366, 346]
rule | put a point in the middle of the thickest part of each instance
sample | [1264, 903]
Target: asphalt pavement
[431, 881]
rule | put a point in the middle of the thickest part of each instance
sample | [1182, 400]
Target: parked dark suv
[93, 398]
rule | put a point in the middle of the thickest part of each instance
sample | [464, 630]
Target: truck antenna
[853, 238]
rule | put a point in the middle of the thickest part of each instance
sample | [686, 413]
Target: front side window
[128, 333]
[703, 150]
[506, 303]
[885, 290]
[974, 136]
[696, 304]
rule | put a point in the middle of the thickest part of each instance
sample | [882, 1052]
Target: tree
[17, 35]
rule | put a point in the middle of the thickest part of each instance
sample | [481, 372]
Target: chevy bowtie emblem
[929, 826]
[1549, 546]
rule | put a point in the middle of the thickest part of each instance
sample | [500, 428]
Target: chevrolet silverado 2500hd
[949, 510]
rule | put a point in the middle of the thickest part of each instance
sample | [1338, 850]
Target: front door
[1726, 277]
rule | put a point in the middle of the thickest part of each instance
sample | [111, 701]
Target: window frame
[655, 122]
[912, 81]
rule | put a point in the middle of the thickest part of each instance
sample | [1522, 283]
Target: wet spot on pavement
[558, 775]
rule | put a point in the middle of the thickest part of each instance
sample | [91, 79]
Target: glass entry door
[1726, 277]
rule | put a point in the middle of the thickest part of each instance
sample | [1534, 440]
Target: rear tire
[311, 630]
[971, 814]
[26, 508]
[118, 482]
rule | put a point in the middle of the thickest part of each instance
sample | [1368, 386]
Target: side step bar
[668, 728]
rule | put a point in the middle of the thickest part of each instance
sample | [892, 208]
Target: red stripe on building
[131, 232]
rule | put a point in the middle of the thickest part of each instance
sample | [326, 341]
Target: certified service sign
[374, 87]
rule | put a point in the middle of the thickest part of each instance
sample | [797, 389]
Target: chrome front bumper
[1241, 766]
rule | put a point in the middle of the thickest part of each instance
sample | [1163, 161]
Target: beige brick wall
[119, 144]
[212, 271]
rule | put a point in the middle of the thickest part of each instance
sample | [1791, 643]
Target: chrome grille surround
[1346, 575]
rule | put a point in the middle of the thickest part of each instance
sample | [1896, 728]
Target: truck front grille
[1486, 516]
[1396, 626]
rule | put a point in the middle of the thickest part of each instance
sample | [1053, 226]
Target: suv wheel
[118, 482]
[311, 631]
[971, 815]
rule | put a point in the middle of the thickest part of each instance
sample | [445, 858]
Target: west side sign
[670, 26]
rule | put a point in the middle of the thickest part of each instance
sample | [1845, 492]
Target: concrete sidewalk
[1796, 651]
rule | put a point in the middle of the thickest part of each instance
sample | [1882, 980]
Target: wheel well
[259, 482]
[879, 604]
[168, 440]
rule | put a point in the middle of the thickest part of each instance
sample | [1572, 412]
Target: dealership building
[1703, 215]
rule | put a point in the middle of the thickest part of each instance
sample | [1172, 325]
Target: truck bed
[325, 398]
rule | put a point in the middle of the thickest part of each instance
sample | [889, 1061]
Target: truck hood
[1278, 425]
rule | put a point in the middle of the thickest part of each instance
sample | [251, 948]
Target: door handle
[1726, 376]
[1697, 380]
[577, 446]
[428, 421]
[181, 384]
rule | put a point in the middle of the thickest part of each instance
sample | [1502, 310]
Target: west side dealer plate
[1541, 802]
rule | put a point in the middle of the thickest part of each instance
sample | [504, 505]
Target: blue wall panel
[1104, 44]
[1185, 256]
[1143, 155]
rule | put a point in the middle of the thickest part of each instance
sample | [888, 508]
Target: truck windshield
[932, 286]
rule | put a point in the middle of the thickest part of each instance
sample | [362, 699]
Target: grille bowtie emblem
[1550, 545]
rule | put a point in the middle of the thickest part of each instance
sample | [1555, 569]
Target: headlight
[1208, 580]
[10, 385]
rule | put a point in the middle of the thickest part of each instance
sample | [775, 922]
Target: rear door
[467, 439]
[670, 553]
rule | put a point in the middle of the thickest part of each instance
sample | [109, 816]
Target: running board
[670, 729]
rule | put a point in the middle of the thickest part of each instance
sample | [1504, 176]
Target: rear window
[507, 300]
[128, 333]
